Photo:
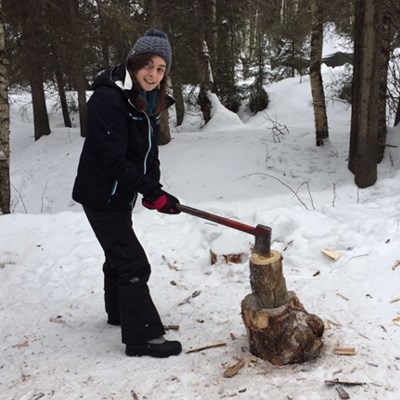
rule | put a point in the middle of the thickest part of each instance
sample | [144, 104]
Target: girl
[119, 160]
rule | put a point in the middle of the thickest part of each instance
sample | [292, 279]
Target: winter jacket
[120, 153]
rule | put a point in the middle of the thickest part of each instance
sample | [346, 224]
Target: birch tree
[317, 87]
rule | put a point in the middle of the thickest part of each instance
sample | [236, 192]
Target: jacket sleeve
[108, 129]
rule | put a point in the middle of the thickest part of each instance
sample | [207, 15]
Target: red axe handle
[262, 233]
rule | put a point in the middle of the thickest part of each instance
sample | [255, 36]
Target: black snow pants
[126, 273]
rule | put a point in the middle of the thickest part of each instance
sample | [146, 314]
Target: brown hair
[133, 65]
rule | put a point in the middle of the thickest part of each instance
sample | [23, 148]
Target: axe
[261, 233]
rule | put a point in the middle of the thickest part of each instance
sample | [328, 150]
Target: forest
[231, 48]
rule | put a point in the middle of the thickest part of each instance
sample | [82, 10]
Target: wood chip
[134, 395]
[396, 320]
[342, 393]
[345, 351]
[209, 346]
[21, 345]
[396, 264]
[327, 325]
[251, 359]
[332, 254]
[396, 299]
[57, 320]
[329, 322]
[234, 369]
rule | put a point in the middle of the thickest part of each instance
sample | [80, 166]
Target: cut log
[279, 328]
[282, 335]
[267, 280]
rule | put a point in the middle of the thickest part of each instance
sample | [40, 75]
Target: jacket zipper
[149, 137]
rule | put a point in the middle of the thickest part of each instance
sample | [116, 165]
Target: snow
[55, 343]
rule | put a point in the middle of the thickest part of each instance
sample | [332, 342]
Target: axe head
[262, 244]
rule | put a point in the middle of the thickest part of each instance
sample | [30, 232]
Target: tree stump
[234, 258]
[279, 328]
[229, 247]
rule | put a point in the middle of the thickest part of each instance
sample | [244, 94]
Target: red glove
[164, 203]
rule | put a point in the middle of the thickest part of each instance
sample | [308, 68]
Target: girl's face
[151, 74]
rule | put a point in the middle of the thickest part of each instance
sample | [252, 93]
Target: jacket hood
[115, 77]
[109, 76]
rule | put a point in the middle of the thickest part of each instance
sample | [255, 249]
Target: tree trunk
[397, 117]
[179, 102]
[214, 31]
[165, 133]
[30, 37]
[5, 196]
[78, 66]
[40, 118]
[103, 35]
[363, 153]
[203, 66]
[80, 84]
[317, 87]
[384, 65]
[63, 99]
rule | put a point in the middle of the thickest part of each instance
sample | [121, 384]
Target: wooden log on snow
[279, 328]
[234, 258]
[229, 248]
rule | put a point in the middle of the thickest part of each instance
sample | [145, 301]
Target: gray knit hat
[153, 42]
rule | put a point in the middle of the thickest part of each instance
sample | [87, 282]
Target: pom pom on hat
[153, 42]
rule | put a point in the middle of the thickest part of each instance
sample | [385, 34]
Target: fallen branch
[344, 383]
[170, 265]
[284, 184]
[20, 197]
[334, 194]
[171, 327]
[361, 255]
[210, 346]
[343, 297]
[192, 296]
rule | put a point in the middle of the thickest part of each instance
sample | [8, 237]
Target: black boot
[159, 350]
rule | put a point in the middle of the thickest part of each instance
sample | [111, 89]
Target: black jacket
[120, 153]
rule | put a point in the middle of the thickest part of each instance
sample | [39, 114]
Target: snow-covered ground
[55, 343]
